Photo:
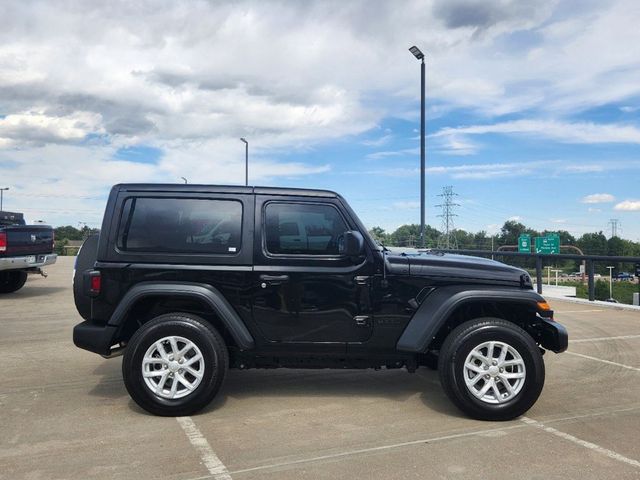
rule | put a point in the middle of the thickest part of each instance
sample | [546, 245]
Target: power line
[448, 237]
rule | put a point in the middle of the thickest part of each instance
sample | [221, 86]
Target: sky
[533, 108]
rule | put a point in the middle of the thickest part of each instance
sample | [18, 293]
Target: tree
[68, 232]
[511, 230]
[409, 236]
[379, 235]
[593, 243]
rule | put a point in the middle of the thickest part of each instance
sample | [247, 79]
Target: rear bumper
[553, 335]
[94, 337]
[23, 262]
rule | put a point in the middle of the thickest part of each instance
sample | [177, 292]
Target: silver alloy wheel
[494, 372]
[173, 367]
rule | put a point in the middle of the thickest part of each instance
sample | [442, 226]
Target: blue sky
[532, 108]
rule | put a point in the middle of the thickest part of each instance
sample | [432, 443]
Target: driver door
[307, 293]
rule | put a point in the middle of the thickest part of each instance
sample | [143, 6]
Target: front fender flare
[206, 293]
[436, 308]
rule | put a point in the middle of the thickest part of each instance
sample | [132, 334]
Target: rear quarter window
[180, 225]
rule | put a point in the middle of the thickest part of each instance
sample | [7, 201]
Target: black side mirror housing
[351, 244]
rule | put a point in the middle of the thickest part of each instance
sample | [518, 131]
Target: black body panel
[27, 240]
[203, 292]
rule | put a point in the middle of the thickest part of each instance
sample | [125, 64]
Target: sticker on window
[233, 249]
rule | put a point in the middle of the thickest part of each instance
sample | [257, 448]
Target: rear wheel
[175, 364]
[12, 281]
[491, 369]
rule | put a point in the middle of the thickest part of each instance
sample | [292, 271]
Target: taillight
[96, 283]
[92, 283]
[3, 242]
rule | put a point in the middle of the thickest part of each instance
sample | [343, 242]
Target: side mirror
[351, 243]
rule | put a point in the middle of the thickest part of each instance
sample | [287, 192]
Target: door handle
[273, 279]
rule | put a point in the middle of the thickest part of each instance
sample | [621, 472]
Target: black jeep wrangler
[190, 280]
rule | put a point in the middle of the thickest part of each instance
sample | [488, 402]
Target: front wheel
[491, 369]
[175, 364]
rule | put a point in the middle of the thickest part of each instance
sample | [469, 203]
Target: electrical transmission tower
[448, 236]
[614, 222]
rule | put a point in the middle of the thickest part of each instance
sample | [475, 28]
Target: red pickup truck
[24, 249]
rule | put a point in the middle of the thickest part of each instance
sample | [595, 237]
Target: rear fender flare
[203, 292]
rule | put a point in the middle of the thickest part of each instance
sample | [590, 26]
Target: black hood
[474, 269]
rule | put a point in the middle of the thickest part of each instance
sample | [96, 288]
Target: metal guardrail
[588, 259]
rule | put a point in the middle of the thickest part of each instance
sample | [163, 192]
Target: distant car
[625, 276]
[24, 249]
[597, 275]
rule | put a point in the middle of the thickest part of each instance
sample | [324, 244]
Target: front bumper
[95, 337]
[552, 335]
[28, 261]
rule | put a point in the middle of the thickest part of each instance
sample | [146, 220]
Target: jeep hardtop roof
[194, 188]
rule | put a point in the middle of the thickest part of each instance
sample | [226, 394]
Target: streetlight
[246, 161]
[1, 195]
[610, 282]
[420, 56]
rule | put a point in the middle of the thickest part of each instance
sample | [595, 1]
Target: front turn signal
[544, 306]
[544, 310]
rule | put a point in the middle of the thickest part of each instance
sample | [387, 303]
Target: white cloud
[406, 205]
[628, 206]
[493, 228]
[38, 127]
[378, 142]
[514, 218]
[393, 153]
[598, 198]
[566, 132]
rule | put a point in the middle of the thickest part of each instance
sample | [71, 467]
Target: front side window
[303, 229]
[181, 225]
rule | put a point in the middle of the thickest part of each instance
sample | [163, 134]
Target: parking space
[64, 413]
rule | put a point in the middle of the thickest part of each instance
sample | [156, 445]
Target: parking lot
[64, 412]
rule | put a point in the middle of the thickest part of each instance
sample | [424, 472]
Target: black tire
[12, 281]
[196, 330]
[84, 261]
[458, 345]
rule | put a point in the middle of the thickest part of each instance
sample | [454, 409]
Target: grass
[622, 291]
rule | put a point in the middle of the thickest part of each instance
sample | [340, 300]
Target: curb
[584, 301]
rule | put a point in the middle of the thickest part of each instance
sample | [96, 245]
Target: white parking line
[422, 441]
[377, 449]
[216, 468]
[603, 361]
[599, 339]
[583, 443]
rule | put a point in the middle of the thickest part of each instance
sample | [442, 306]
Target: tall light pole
[1, 195]
[420, 56]
[246, 161]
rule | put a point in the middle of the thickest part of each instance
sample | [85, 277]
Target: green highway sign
[524, 243]
[549, 244]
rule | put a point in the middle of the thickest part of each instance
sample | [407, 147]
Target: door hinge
[362, 320]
